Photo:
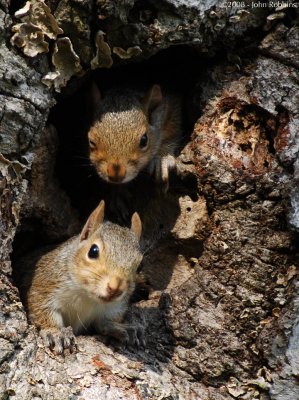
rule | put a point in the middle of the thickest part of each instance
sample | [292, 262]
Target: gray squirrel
[86, 281]
[133, 131]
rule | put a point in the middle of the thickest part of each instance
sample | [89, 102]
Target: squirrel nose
[114, 288]
[116, 172]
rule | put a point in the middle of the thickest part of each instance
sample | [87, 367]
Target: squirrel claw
[58, 340]
[163, 166]
[136, 336]
[167, 164]
[116, 331]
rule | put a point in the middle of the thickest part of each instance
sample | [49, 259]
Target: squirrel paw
[115, 330]
[163, 166]
[167, 164]
[58, 340]
[136, 336]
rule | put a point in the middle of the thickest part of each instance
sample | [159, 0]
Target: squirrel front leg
[161, 166]
[54, 334]
[59, 339]
[167, 164]
[112, 329]
[164, 115]
[129, 334]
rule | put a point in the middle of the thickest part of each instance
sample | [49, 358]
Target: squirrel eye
[94, 251]
[143, 141]
[92, 144]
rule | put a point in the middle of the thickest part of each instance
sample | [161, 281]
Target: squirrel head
[125, 137]
[107, 257]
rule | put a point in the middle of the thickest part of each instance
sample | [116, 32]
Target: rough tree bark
[221, 319]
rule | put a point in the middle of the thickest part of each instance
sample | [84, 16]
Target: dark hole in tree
[176, 69]
[179, 69]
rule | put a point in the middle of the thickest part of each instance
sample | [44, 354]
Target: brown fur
[122, 119]
[68, 286]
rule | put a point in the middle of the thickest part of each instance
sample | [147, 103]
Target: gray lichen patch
[37, 13]
[66, 62]
[103, 57]
[37, 22]
[29, 38]
[75, 20]
[127, 54]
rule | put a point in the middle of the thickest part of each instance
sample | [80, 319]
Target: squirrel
[133, 131]
[86, 281]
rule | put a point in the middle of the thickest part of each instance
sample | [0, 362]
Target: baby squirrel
[86, 281]
[133, 131]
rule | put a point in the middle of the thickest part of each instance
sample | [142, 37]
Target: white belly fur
[79, 310]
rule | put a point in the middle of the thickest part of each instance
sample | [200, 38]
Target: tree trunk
[221, 318]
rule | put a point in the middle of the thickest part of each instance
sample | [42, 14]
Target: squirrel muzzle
[116, 172]
[114, 288]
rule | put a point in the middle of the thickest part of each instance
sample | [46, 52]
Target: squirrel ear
[95, 97]
[152, 99]
[136, 225]
[95, 219]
